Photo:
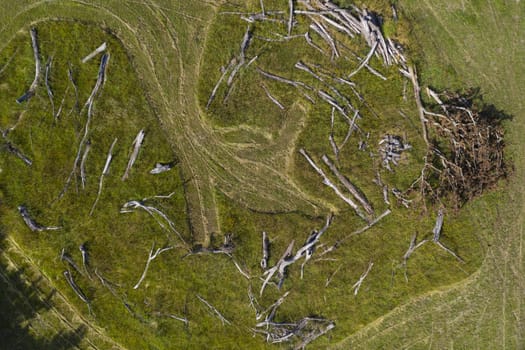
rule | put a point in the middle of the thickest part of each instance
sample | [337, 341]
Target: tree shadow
[22, 323]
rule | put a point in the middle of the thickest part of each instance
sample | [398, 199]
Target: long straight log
[105, 172]
[83, 163]
[48, 87]
[95, 52]
[137, 143]
[330, 184]
[77, 289]
[348, 185]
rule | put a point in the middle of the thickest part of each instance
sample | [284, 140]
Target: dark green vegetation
[251, 126]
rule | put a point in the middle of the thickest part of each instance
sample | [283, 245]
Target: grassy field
[238, 172]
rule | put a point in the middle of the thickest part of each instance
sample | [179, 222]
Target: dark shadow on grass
[20, 307]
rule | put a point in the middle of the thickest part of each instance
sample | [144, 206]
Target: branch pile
[466, 156]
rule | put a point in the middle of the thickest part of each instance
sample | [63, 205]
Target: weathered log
[349, 186]
[270, 272]
[32, 224]
[85, 258]
[365, 61]
[214, 310]
[105, 172]
[273, 99]
[218, 84]
[151, 256]
[419, 104]
[83, 163]
[327, 182]
[62, 103]
[95, 52]
[77, 290]
[265, 251]
[450, 251]
[178, 318]
[89, 103]
[436, 231]
[31, 91]
[290, 16]
[67, 258]
[412, 247]
[16, 152]
[137, 143]
[48, 87]
[75, 87]
[162, 167]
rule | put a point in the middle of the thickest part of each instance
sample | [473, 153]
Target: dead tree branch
[32, 224]
[327, 182]
[152, 256]
[31, 92]
[214, 310]
[77, 290]
[95, 52]
[137, 143]
[105, 172]
[357, 285]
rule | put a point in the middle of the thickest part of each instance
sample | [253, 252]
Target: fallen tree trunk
[105, 172]
[349, 186]
[31, 92]
[137, 143]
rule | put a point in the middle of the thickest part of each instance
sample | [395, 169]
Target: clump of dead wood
[466, 148]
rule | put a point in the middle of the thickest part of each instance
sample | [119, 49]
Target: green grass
[238, 169]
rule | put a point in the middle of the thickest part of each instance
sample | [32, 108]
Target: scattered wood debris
[162, 167]
[95, 52]
[137, 143]
[152, 256]
[288, 258]
[31, 223]
[304, 331]
[226, 248]
[270, 96]
[412, 247]
[31, 92]
[214, 310]
[391, 147]
[89, 104]
[105, 172]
